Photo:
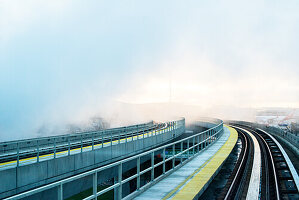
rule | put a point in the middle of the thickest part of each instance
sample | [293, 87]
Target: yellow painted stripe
[26, 160]
[206, 171]
[182, 183]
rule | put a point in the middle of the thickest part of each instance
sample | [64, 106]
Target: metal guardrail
[290, 137]
[35, 147]
[198, 142]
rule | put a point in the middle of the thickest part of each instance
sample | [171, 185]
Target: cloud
[195, 78]
[17, 17]
[63, 62]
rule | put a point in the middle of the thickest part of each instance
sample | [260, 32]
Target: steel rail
[229, 193]
[273, 166]
[266, 173]
[267, 148]
[250, 189]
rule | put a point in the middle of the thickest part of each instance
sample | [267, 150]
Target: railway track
[269, 186]
[280, 180]
[277, 180]
[236, 185]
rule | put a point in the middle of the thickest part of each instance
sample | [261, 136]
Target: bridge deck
[191, 179]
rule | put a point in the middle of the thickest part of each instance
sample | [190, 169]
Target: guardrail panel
[193, 143]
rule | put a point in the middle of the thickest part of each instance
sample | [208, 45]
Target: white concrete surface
[255, 177]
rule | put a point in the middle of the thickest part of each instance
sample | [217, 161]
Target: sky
[66, 61]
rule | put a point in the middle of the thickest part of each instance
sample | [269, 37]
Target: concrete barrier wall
[27, 177]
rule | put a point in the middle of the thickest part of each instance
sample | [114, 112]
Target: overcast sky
[64, 61]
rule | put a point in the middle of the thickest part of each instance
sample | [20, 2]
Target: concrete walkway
[170, 186]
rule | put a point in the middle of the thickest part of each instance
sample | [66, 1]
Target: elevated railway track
[236, 184]
[277, 178]
[263, 170]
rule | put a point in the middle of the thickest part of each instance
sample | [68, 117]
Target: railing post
[143, 136]
[163, 132]
[54, 147]
[69, 145]
[103, 138]
[95, 185]
[37, 156]
[198, 144]
[138, 173]
[202, 143]
[60, 192]
[18, 154]
[137, 132]
[119, 181]
[126, 136]
[209, 137]
[181, 151]
[152, 165]
[173, 154]
[214, 134]
[81, 143]
[172, 127]
[132, 137]
[167, 127]
[111, 137]
[164, 155]
[193, 146]
[206, 139]
[188, 145]
[156, 135]
[92, 141]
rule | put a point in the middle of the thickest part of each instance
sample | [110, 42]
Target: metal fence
[62, 145]
[289, 136]
[189, 146]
